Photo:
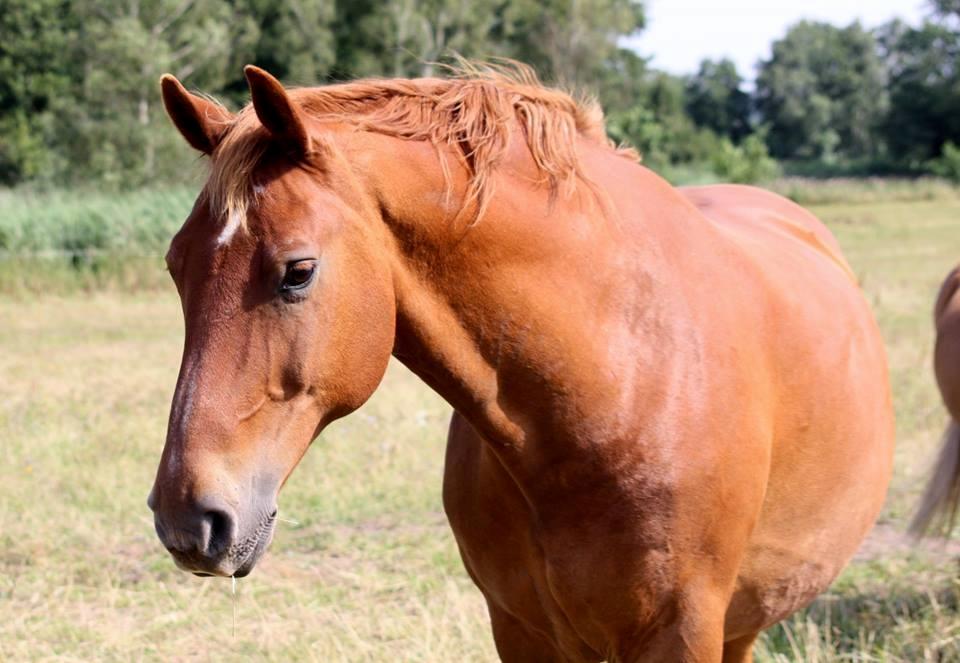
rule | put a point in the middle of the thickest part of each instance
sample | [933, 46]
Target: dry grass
[370, 571]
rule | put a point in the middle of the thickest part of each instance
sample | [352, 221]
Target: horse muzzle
[209, 537]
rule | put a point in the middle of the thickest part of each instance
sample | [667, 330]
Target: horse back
[746, 208]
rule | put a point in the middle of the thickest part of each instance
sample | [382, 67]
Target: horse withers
[672, 419]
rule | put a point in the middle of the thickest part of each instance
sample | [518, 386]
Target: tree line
[79, 99]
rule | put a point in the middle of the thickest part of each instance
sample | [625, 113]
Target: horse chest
[559, 567]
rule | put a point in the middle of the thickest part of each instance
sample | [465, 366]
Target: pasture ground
[364, 567]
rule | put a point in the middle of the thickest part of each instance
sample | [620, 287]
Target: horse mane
[471, 112]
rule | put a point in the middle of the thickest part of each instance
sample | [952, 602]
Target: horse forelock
[471, 113]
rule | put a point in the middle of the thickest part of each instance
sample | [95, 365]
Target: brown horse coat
[673, 422]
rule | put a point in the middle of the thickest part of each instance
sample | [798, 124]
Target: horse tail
[938, 508]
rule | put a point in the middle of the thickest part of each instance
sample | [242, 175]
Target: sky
[680, 33]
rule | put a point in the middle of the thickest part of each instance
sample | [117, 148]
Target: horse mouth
[259, 547]
[238, 560]
[244, 569]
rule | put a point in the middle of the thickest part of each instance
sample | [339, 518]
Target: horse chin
[246, 565]
[244, 571]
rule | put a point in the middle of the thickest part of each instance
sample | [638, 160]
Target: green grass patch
[78, 221]
[864, 191]
[68, 241]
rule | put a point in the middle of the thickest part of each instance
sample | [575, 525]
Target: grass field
[363, 567]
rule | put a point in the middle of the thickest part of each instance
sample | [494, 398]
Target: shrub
[947, 165]
[746, 163]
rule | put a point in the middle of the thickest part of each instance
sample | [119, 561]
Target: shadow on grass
[919, 621]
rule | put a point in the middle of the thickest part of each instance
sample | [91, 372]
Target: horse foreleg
[694, 635]
[739, 650]
[518, 644]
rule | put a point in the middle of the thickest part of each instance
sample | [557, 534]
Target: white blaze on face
[229, 229]
[235, 218]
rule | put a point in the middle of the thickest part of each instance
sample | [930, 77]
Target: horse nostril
[220, 526]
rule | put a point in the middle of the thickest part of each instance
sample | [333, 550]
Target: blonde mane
[471, 113]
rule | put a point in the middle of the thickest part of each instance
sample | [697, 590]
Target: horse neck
[510, 319]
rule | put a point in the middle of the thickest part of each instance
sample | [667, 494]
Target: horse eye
[298, 274]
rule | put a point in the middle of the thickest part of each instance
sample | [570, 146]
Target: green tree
[715, 99]
[124, 47]
[822, 93]
[36, 71]
[658, 126]
[408, 37]
[946, 10]
[924, 90]
[624, 81]
[78, 79]
[293, 39]
[569, 41]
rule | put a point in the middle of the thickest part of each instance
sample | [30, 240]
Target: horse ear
[201, 121]
[276, 110]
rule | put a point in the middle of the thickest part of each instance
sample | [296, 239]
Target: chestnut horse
[672, 419]
[938, 508]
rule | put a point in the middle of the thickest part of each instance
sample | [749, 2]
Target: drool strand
[233, 587]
